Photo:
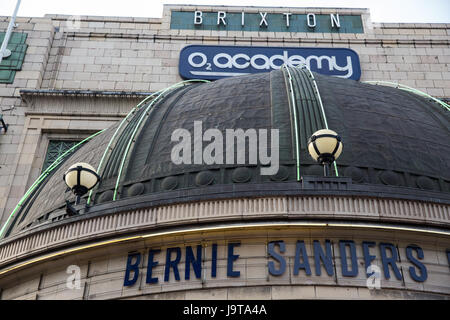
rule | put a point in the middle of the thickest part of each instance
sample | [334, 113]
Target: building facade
[223, 232]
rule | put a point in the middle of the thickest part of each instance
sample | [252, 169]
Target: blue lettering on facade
[301, 254]
[325, 257]
[214, 261]
[279, 258]
[172, 263]
[342, 249]
[389, 261]
[196, 262]
[321, 255]
[132, 267]
[231, 258]
[368, 258]
[423, 271]
[151, 264]
[216, 62]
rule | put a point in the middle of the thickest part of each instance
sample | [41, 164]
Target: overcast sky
[427, 11]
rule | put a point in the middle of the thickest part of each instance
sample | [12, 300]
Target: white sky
[428, 11]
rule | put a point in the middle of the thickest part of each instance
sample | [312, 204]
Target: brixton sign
[263, 21]
[216, 62]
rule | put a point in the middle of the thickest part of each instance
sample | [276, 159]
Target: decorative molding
[86, 93]
[236, 40]
[70, 233]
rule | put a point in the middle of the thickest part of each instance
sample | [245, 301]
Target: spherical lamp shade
[325, 146]
[81, 177]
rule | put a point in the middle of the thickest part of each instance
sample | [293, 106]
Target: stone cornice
[24, 93]
[258, 38]
[84, 228]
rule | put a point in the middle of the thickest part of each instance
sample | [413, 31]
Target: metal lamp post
[4, 52]
[325, 146]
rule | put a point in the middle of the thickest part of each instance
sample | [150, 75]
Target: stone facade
[141, 55]
[102, 268]
[82, 74]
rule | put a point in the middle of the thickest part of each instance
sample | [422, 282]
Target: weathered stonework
[103, 268]
[120, 60]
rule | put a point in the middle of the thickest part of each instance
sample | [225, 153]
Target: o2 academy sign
[216, 62]
[266, 22]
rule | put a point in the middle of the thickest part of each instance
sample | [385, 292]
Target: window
[13, 63]
[55, 149]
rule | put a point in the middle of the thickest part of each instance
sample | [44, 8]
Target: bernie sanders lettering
[322, 257]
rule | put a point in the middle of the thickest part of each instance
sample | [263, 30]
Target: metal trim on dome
[38, 183]
[114, 150]
[307, 108]
[147, 109]
[410, 89]
[292, 103]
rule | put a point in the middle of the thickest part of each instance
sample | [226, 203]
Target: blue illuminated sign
[216, 62]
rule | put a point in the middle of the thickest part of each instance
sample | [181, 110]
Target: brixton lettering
[221, 18]
[215, 62]
[264, 21]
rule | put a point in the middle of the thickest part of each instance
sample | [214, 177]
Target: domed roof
[391, 138]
